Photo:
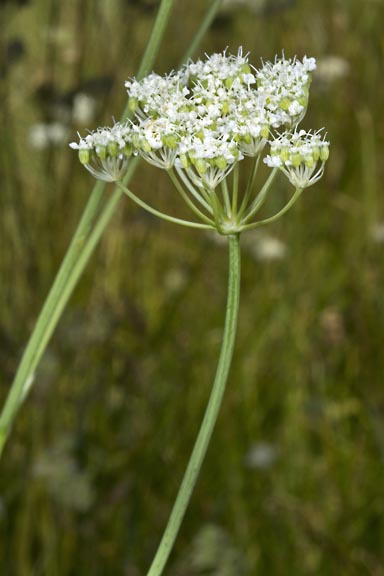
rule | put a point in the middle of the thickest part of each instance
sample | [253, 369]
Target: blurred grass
[293, 479]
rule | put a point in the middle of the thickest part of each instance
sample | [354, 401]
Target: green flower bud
[225, 107]
[113, 149]
[246, 69]
[185, 163]
[264, 131]
[296, 159]
[136, 140]
[303, 101]
[145, 145]
[316, 153]
[128, 150]
[284, 153]
[229, 82]
[201, 166]
[285, 103]
[324, 153]
[133, 104]
[170, 140]
[84, 156]
[101, 151]
[309, 161]
[221, 162]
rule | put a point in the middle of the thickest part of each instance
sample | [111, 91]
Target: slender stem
[250, 184]
[205, 24]
[201, 195]
[227, 202]
[218, 210]
[55, 300]
[235, 190]
[210, 417]
[186, 198]
[161, 215]
[261, 197]
[295, 196]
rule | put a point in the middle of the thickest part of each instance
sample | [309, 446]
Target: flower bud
[133, 104]
[324, 153]
[201, 166]
[101, 151]
[113, 149]
[264, 131]
[221, 162]
[170, 140]
[84, 156]
[145, 145]
[185, 163]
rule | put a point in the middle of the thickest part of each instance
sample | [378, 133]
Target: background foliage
[293, 481]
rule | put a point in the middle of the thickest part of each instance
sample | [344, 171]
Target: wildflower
[300, 155]
[285, 85]
[106, 152]
[199, 123]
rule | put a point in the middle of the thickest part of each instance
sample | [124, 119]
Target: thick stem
[210, 416]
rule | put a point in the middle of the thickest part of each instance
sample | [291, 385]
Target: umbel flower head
[300, 155]
[200, 122]
[106, 151]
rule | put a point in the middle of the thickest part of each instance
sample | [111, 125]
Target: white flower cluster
[106, 151]
[285, 86]
[300, 155]
[203, 118]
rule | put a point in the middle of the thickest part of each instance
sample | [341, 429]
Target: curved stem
[186, 198]
[210, 417]
[201, 195]
[161, 215]
[289, 204]
[261, 197]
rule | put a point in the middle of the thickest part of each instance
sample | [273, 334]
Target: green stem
[210, 417]
[200, 195]
[186, 198]
[161, 215]
[261, 197]
[227, 202]
[218, 210]
[235, 189]
[205, 24]
[58, 294]
[276, 216]
[250, 184]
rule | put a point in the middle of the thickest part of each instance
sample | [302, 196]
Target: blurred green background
[293, 480]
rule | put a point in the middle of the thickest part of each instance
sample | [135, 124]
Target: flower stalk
[212, 410]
